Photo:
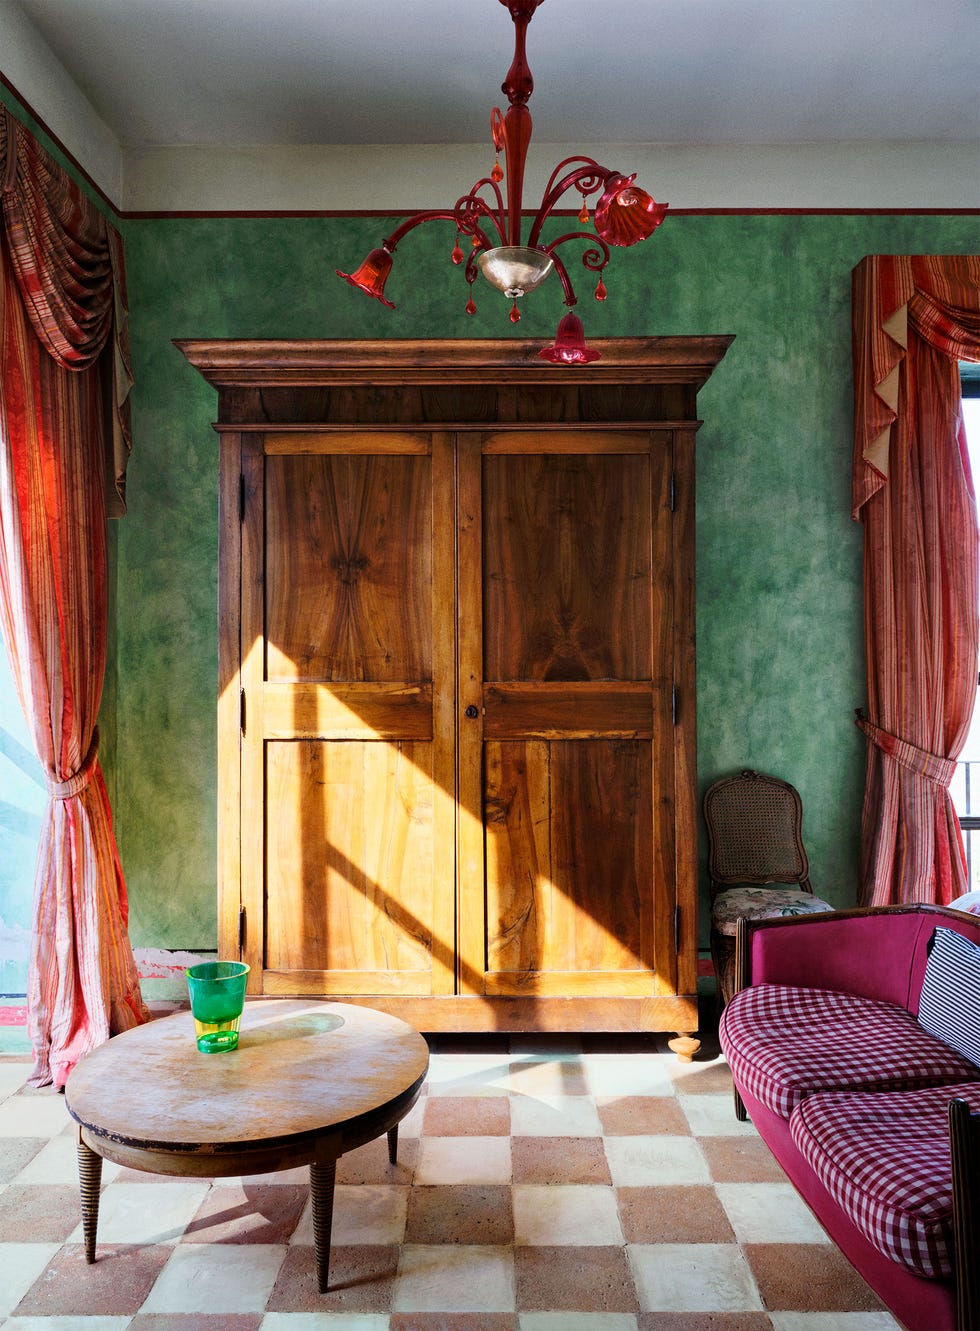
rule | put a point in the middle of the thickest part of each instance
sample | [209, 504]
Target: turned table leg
[393, 1145]
[322, 1176]
[89, 1182]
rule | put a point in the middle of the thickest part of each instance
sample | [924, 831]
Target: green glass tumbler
[217, 990]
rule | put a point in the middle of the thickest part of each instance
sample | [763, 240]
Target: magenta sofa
[852, 1094]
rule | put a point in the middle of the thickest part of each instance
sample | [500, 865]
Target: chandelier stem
[512, 132]
[517, 138]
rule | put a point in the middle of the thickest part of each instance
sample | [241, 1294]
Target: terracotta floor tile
[454, 1278]
[808, 1277]
[245, 1213]
[361, 1280]
[548, 1077]
[584, 1279]
[116, 1284]
[681, 1214]
[740, 1160]
[454, 1322]
[693, 1278]
[369, 1164]
[16, 1152]
[702, 1078]
[460, 1213]
[459, 1116]
[39, 1213]
[196, 1322]
[559, 1160]
[632, 1115]
[704, 1321]
[206, 1278]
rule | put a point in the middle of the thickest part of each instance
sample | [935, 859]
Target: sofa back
[879, 953]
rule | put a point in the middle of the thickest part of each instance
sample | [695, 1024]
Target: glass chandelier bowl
[515, 269]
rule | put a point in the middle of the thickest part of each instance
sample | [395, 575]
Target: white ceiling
[302, 72]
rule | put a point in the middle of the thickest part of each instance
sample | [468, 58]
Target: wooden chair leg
[322, 1178]
[741, 1113]
[89, 1183]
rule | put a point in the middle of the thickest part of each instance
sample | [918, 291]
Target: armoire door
[348, 678]
[566, 630]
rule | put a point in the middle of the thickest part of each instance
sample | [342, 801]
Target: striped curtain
[914, 317]
[64, 384]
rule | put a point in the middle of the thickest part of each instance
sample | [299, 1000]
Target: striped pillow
[949, 1005]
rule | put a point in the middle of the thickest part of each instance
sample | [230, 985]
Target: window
[23, 797]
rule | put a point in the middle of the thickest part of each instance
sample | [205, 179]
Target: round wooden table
[308, 1081]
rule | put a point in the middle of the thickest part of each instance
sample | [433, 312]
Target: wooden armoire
[456, 735]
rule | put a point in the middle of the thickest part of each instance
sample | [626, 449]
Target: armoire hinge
[241, 498]
[242, 711]
[677, 930]
[673, 492]
[673, 706]
[241, 930]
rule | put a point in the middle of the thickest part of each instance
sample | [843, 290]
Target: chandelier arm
[601, 173]
[594, 260]
[583, 175]
[566, 282]
[411, 223]
[435, 215]
[471, 206]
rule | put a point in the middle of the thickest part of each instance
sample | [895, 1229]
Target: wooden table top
[301, 1067]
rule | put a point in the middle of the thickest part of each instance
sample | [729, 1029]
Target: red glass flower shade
[372, 275]
[569, 345]
[625, 215]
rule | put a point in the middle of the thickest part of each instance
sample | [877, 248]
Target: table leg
[393, 1145]
[89, 1182]
[322, 1178]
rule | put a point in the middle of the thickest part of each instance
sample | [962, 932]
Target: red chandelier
[623, 215]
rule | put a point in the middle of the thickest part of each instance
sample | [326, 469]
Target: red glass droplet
[497, 174]
[470, 306]
[583, 216]
[600, 290]
[515, 314]
[476, 242]
[457, 254]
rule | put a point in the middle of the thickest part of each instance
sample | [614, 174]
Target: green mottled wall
[780, 660]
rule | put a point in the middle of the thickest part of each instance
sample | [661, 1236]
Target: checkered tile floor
[543, 1184]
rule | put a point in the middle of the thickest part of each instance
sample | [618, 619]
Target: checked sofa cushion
[783, 1042]
[884, 1158]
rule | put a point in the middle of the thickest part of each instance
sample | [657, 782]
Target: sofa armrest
[870, 952]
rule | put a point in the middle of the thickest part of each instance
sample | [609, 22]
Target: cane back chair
[757, 864]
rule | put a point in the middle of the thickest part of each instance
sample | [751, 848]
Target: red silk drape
[62, 345]
[914, 317]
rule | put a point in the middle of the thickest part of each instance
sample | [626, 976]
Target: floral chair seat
[761, 903]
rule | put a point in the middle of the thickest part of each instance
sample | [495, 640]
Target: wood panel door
[567, 855]
[348, 679]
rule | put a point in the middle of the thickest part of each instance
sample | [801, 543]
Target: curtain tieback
[920, 761]
[65, 790]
